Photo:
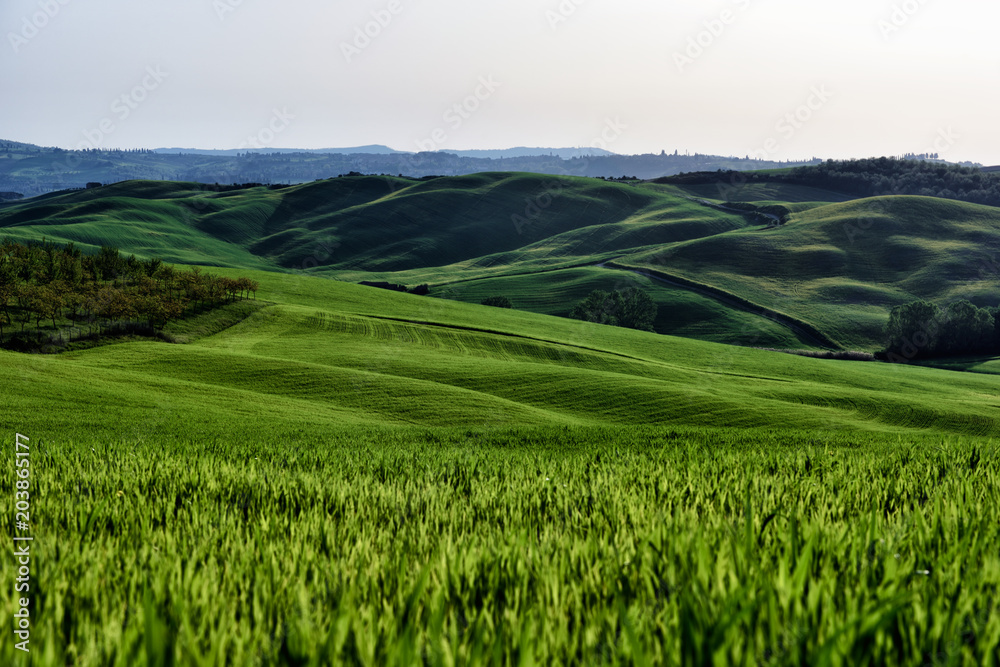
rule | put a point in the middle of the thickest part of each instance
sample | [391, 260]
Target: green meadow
[351, 475]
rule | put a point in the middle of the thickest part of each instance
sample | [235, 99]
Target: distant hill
[33, 170]
[357, 150]
[378, 149]
[564, 153]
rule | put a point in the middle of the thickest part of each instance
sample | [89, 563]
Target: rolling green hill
[797, 196]
[330, 353]
[369, 225]
[837, 267]
[366, 228]
[842, 267]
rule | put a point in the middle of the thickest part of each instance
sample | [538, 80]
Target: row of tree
[107, 292]
[922, 330]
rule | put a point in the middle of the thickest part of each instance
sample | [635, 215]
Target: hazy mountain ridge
[377, 149]
[34, 170]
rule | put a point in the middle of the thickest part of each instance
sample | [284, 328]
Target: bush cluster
[419, 290]
[498, 301]
[630, 308]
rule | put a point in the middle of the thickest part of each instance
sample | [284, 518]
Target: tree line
[108, 293]
[922, 330]
[889, 176]
[873, 177]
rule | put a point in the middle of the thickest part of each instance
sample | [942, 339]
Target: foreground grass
[526, 546]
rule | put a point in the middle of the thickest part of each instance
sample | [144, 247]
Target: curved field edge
[680, 311]
[804, 330]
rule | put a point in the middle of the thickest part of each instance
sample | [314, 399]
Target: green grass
[493, 546]
[211, 322]
[987, 365]
[340, 474]
[332, 352]
[783, 193]
[361, 476]
[136, 220]
[365, 224]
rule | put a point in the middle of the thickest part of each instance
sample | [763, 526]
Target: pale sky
[780, 79]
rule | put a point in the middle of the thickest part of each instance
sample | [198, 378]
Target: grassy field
[350, 475]
[526, 546]
[764, 193]
[366, 224]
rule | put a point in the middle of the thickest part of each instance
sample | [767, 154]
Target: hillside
[842, 267]
[872, 177]
[330, 353]
[837, 267]
[368, 224]
[358, 228]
